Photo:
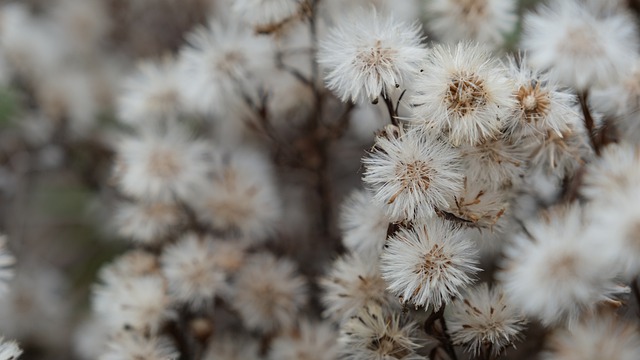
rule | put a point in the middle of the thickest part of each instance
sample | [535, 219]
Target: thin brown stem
[436, 326]
[393, 111]
[589, 124]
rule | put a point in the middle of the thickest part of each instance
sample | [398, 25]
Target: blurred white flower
[241, 196]
[599, 337]
[578, 48]
[376, 334]
[429, 264]
[613, 175]
[367, 55]
[310, 341]
[412, 174]
[482, 318]
[232, 347]
[352, 282]
[193, 278]
[555, 271]
[165, 168]
[484, 21]
[147, 223]
[363, 224]
[151, 94]
[463, 93]
[219, 63]
[495, 164]
[269, 294]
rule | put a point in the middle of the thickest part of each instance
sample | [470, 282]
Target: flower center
[534, 102]
[465, 94]
[163, 164]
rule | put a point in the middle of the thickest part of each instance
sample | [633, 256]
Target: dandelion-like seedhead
[353, 282]
[412, 174]
[556, 271]
[363, 223]
[429, 264]
[376, 334]
[599, 337]
[462, 93]
[485, 21]
[482, 317]
[579, 48]
[369, 55]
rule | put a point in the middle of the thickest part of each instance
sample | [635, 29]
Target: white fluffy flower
[147, 223]
[192, 275]
[601, 337]
[241, 196]
[134, 346]
[219, 63]
[376, 334]
[9, 350]
[353, 282]
[310, 341]
[463, 92]
[367, 55]
[137, 303]
[615, 172]
[162, 167]
[485, 21]
[621, 98]
[495, 164]
[479, 206]
[482, 317]
[269, 293]
[412, 174]
[151, 94]
[579, 48]
[541, 106]
[427, 265]
[560, 272]
[363, 223]
[266, 12]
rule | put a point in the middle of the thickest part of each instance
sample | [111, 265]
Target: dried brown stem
[589, 124]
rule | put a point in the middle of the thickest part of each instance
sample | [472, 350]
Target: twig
[393, 112]
[436, 326]
[588, 120]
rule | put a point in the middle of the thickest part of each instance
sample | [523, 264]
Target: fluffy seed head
[412, 174]
[369, 55]
[427, 265]
[462, 93]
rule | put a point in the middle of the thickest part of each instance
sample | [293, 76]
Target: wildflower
[269, 293]
[363, 224]
[484, 21]
[240, 196]
[462, 93]
[151, 94]
[375, 334]
[480, 207]
[412, 174]
[367, 55]
[147, 223]
[482, 318]
[616, 171]
[578, 48]
[164, 167]
[311, 341]
[192, 275]
[427, 265]
[599, 337]
[541, 106]
[495, 164]
[219, 64]
[353, 282]
[559, 272]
